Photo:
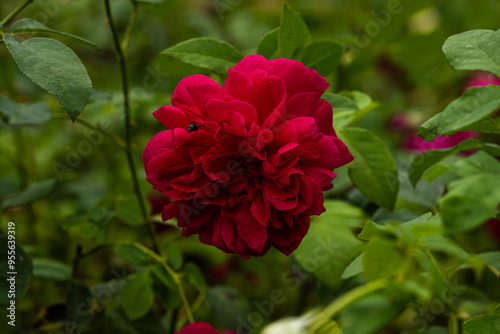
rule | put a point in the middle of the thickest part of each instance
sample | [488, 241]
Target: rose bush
[247, 163]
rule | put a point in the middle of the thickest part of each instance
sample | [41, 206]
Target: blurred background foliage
[402, 68]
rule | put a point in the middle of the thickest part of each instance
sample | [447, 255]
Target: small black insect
[193, 126]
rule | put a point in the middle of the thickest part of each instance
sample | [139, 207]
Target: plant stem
[454, 324]
[323, 317]
[130, 26]
[182, 293]
[196, 304]
[126, 104]
[16, 11]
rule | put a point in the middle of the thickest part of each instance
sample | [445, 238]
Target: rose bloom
[482, 78]
[416, 143]
[247, 163]
[202, 328]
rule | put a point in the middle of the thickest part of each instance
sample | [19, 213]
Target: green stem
[182, 293]
[130, 26]
[323, 317]
[454, 324]
[126, 103]
[196, 304]
[16, 11]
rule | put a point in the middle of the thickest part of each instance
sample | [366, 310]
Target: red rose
[201, 328]
[247, 163]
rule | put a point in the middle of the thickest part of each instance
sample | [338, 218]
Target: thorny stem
[126, 103]
[16, 11]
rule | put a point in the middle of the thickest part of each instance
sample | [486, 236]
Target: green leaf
[54, 67]
[194, 276]
[434, 173]
[474, 50]
[351, 108]
[163, 276]
[484, 324]
[168, 291]
[268, 45]
[33, 192]
[152, 255]
[293, 32]
[491, 259]
[474, 105]
[353, 269]
[339, 102]
[441, 243]
[322, 55]
[137, 295]
[480, 162]
[227, 305]
[425, 225]
[368, 315]
[205, 52]
[373, 170]
[22, 266]
[24, 114]
[78, 302]
[51, 270]
[488, 125]
[469, 202]
[168, 296]
[362, 100]
[428, 159]
[344, 213]
[30, 26]
[132, 254]
[371, 230]
[381, 259]
[330, 246]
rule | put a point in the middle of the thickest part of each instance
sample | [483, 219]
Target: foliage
[409, 241]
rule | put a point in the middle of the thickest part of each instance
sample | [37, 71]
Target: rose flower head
[247, 163]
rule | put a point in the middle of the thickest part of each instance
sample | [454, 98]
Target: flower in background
[247, 163]
[416, 143]
[202, 328]
[482, 78]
